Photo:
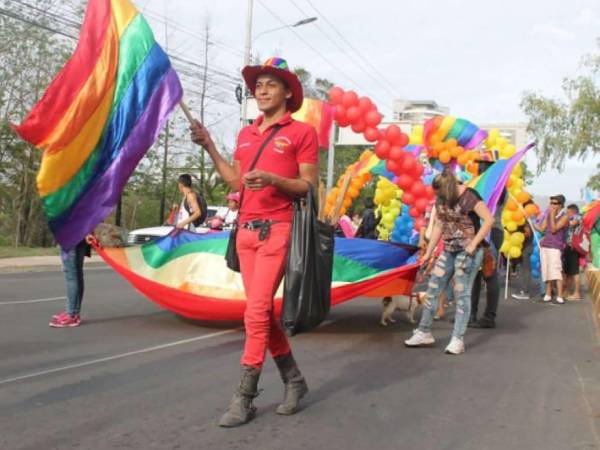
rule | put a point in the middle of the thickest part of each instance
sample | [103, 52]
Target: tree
[569, 127]
[318, 88]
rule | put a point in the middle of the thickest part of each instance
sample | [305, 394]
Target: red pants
[262, 266]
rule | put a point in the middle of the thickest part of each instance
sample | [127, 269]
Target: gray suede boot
[241, 410]
[295, 384]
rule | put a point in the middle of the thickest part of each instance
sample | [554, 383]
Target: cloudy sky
[477, 57]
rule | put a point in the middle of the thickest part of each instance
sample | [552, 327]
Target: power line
[343, 50]
[359, 54]
[309, 45]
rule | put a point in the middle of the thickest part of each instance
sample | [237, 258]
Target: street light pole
[247, 56]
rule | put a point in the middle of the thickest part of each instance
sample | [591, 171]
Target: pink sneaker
[66, 321]
[59, 315]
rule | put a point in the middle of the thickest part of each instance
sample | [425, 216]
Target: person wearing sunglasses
[552, 245]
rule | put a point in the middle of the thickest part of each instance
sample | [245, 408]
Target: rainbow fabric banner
[186, 273]
[320, 116]
[491, 183]
[98, 117]
[467, 134]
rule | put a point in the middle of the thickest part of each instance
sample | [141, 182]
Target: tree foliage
[568, 127]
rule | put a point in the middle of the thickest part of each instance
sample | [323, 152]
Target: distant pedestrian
[524, 274]
[368, 225]
[192, 211]
[571, 256]
[72, 261]
[554, 225]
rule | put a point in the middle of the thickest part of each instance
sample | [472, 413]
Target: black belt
[263, 225]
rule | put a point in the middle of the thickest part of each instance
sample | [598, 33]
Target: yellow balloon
[492, 137]
[517, 239]
[514, 252]
[505, 247]
[511, 226]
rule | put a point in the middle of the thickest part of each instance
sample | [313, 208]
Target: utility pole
[202, 103]
[163, 194]
[247, 57]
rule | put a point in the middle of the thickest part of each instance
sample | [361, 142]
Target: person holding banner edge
[285, 167]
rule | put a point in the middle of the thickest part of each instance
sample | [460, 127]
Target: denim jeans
[73, 269]
[463, 268]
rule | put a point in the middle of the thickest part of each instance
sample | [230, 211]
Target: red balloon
[382, 149]
[343, 122]
[371, 134]
[421, 204]
[365, 104]
[419, 223]
[403, 140]
[414, 212]
[373, 118]
[404, 181]
[353, 114]
[393, 133]
[418, 170]
[340, 113]
[359, 126]
[350, 99]
[429, 192]
[409, 163]
[397, 154]
[418, 189]
[335, 95]
[392, 166]
[408, 198]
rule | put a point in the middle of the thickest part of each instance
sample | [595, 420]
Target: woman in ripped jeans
[462, 222]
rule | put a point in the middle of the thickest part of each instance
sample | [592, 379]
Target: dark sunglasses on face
[554, 203]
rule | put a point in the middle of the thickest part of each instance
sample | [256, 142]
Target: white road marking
[119, 356]
[38, 300]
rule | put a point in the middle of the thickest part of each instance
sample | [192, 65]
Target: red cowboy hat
[279, 68]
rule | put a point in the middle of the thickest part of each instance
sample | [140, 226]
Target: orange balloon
[353, 192]
[347, 202]
[523, 197]
[511, 205]
[455, 152]
[445, 157]
[509, 182]
[530, 210]
[452, 142]
[517, 216]
[473, 168]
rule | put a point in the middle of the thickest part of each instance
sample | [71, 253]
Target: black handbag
[307, 285]
[231, 254]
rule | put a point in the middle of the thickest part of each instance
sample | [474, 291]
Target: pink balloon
[350, 99]
[340, 113]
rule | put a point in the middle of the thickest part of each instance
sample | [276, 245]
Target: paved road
[138, 377]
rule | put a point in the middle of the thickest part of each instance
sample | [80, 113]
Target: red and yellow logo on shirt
[281, 143]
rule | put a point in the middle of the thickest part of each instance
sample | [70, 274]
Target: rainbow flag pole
[99, 117]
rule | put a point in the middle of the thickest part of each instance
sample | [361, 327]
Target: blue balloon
[535, 274]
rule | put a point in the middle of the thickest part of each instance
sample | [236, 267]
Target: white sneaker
[547, 298]
[456, 346]
[419, 339]
[521, 296]
[560, 300]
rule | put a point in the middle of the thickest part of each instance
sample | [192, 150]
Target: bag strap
[268, 139]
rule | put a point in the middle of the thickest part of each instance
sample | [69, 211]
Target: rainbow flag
[186, 273]
[467, 134]
[491, 183]
[98, 117]
[320, 116]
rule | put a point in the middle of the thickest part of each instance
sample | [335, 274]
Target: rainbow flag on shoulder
[98, 117]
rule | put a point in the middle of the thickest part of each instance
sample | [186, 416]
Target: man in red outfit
[285, 168]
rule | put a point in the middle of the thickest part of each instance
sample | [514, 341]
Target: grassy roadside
[20, 252]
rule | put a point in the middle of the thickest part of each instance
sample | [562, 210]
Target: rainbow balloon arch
[405, 166]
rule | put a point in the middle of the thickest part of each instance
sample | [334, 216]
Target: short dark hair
[559, 198]
[574, 207]
[185, 179]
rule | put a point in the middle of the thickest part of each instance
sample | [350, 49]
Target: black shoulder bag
[231, 255]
